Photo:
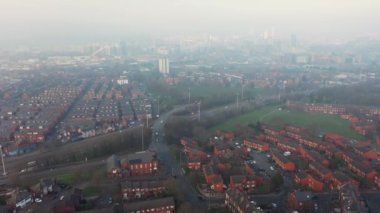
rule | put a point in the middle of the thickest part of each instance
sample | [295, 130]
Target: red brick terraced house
[325, 108]
[312, 182]
[376, 180]
[208, 173]
[218, 164]
[362, 170]
[301, 179]
[333, 151]
[320, 170]
[373, 111]
[160, 205]
[271, 138]
[364, 128]
[295, 129]
[237, 201]
[270, 130]
[229, 135]
[335, 139]
[378, 140]
[349, 157]
[194, 163]
[141, 189]
[195, 153]
[366, 152]
[288, 146]
[314, 157]
[188, 142]
[315, 183]
[221, 149]
[339, 179]
[350, 117]
[252, 181]
[283, 162]
[293, 135]
[141, 163]
[217, 184]
[312, 143]
[257, 145]
[323, 146]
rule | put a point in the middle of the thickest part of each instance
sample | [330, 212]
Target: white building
[163, 65]
[123, 80]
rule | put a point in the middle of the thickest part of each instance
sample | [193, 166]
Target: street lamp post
[2, 160]
[158, 106]
[199, 111]
[142, 137]
[147, 119]
[121, 136]
[237, 100]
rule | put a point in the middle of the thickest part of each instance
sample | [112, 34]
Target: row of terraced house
[33, 119]
[318, 154]
[141, 189]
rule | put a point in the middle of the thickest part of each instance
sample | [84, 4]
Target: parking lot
[262, 163]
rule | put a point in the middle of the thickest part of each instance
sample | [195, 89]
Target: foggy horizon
[44, 22]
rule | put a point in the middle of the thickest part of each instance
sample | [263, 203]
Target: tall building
[163, 65]
[123, 48]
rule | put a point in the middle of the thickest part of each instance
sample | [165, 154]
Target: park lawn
[77, 176]
[66, 178]
[312, 121]
[244, 120]
[91, 190]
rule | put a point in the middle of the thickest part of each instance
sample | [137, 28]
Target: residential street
[170, 163]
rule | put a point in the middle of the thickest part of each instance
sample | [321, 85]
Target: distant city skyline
[70, 21]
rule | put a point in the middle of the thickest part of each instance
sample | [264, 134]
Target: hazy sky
[65, 20]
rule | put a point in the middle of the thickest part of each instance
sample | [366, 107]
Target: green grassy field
[66, 178]
[274, 116]
[91, 191]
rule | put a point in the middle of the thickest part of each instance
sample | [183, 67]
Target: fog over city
[190, 106]
[39, 21]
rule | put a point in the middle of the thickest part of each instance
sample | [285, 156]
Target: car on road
[253, 202]
[62, 197]
[110, 200]
[38, 200]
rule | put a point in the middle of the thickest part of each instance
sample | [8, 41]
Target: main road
[169, 162]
